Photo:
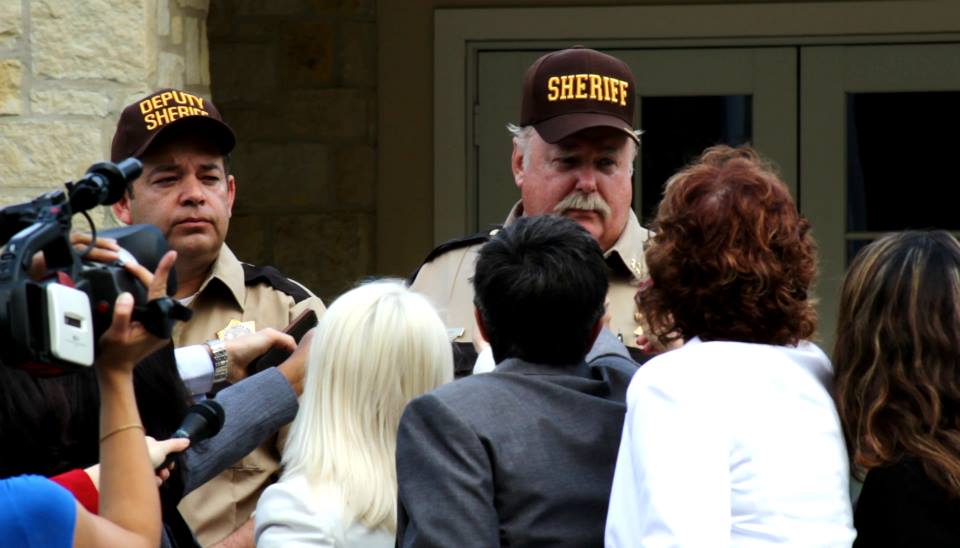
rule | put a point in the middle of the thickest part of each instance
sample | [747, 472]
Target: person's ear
[481, 327]
[231, 194]
[595, 330]
[516, 164]
[122, 208]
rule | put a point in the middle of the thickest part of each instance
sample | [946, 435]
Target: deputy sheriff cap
[141, 122]
[574, 89]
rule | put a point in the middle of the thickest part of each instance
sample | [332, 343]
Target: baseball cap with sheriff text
[574, 89]
[141, 122]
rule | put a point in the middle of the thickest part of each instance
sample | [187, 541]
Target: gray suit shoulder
[607, 344]
[616, 371]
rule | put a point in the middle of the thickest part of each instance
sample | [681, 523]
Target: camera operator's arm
[129, 501]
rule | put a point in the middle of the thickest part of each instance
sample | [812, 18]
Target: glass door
[691, 99]
[878, 130]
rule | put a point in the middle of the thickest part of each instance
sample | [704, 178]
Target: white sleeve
[195, 368]
[484, 363]
[672, 481]
[283, 519]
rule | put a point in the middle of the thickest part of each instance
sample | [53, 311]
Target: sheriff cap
[141, 122]
[574, 89]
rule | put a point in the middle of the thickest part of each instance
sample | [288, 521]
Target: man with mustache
[187, 191]
[573, 154]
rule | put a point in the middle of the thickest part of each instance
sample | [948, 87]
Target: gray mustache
[588, 202]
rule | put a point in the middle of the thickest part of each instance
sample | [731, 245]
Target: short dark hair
[540, 286]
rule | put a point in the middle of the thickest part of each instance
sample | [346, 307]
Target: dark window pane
[854, 247]
[677, 129]
[900, 149]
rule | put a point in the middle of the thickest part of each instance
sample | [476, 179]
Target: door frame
[827, 74]
[459, 34]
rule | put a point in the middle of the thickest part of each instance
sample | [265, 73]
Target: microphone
[203, 421]
[103, 184]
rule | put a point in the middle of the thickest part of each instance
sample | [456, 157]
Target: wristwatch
[221, 361]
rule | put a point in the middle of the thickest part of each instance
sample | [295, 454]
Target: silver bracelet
[221, 361]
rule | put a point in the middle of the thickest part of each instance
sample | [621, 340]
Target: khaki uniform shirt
[446, 282]
[226, 502]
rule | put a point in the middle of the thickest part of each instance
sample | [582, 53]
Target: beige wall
[297, 80]
[67, 68]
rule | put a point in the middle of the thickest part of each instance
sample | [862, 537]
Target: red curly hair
[732, 259]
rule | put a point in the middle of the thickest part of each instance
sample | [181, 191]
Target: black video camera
[52, 324]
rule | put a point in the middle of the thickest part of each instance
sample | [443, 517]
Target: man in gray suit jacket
[522, 456]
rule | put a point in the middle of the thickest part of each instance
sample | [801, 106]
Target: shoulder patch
[253, 275]
[457, 243]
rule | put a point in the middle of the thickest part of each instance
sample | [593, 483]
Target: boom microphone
[203, 421]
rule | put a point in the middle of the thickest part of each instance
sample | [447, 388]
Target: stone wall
[296, 79]
[67, 69]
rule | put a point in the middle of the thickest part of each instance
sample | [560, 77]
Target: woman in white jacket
[732, 439]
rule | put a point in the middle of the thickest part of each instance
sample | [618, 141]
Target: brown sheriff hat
[141, 122]
[578, 88]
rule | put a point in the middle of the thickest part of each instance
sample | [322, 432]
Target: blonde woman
[376, 347]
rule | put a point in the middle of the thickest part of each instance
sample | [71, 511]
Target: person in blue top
[26, 503]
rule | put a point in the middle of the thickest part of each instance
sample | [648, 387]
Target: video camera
[51, 324]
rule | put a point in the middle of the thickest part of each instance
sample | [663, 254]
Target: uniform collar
[227, 271]
[628, 248]
[515, 213]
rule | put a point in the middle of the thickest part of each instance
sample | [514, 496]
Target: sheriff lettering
[587, 86]
[162, 109]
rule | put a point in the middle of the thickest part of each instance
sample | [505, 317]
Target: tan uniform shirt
[446, 282]
[226, 502]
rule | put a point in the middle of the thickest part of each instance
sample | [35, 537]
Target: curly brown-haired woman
[732, 439]
[897, 359]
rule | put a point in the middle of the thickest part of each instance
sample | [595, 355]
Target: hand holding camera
[126, 341]
[56, 301]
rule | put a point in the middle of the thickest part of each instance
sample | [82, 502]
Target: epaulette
[457, 243]
[253, 275]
